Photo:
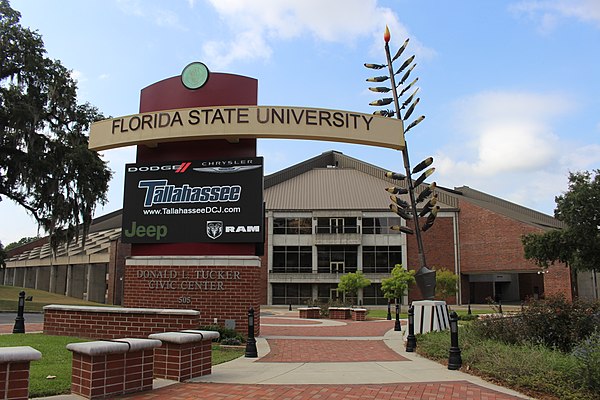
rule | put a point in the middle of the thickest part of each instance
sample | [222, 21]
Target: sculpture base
[431, 315]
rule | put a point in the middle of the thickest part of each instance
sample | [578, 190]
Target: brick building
[325, 217]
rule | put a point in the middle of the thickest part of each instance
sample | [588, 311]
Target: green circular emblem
[194, 75]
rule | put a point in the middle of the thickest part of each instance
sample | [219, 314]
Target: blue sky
[510, 89]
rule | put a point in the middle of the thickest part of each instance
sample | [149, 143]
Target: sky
[510, 89]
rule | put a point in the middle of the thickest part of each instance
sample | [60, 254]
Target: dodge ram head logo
[214, 229]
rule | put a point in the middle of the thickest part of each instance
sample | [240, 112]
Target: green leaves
[396, 285]
[45, 164]
[578, 244]
[352, 281]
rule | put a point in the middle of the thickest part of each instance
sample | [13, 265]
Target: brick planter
[105, 369]
[14, 371]
[340, 313]
[183, 355]
[310, 312]
[359, 314]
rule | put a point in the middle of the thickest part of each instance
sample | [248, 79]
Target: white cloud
[158, 15]
[78, 76]
[506, 144]
[549, 12]
[256, 24]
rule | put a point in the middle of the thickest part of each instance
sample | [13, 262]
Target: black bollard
[397, 326]
[469, 309]
[389, 314]
[290, 309]
[454, 358]
[251, 351]
[500, 306]
[411, 340]
[20, 320]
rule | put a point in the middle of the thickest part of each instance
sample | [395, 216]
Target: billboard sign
[194, 201]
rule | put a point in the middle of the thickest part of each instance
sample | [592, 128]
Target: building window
[292, 226]
[381, 259]
[380, 225]
[337, 259]
[292, 259]
[327, 292]
[337, 225]
[291, 293]
[373, 296]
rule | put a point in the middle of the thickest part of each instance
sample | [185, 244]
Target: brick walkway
[287, 321]
[7, 328]
[295, 350]
[409, 391]
[351, 329]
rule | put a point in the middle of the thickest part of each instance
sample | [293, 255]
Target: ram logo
[214, 229]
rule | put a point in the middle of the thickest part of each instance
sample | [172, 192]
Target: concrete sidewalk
[409, 376]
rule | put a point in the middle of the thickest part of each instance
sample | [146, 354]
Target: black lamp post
[411, 340]
[20, 320]
[389, 314]
[454, 358]
[397, 326]
[251, 351]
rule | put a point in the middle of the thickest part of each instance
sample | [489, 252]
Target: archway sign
[243, 122]
[193, 209]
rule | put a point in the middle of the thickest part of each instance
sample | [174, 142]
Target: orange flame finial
[386, 35]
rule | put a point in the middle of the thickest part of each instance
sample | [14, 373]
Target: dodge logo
[214, 229]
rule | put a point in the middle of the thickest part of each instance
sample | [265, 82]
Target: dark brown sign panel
[194, 201]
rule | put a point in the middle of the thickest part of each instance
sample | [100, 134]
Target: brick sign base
[221, 288]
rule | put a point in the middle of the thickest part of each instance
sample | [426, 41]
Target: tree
[45, 164]
[351, 282]
[396, 285]
[445, 283]
[578, 244]
[22, 241]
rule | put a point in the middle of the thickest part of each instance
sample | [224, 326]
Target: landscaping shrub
[231, 342]
[224, 333]
[555, 323]
[587, 352]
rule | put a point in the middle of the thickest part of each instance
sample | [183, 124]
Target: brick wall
[221, 287]
[491, 242]
[112, 325]
[14, 380]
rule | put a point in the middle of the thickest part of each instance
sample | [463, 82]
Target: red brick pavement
[296, 350]
[37, 327]
[351, 329]
[407, 391]
[287, 321]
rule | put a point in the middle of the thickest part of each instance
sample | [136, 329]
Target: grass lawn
[534, 370]
[56, 361]
[9, 297]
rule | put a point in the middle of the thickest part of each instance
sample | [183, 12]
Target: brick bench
[14, 371]
[310, 312]
[112, 368]
[340, 313]
[115, 322]
[183, 355]
[359, 314]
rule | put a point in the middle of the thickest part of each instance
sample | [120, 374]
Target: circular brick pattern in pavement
[350, 329]
[300, 350]
[287, 321]
[431, 390]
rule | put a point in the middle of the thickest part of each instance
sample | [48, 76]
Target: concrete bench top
[308, 308]
[116, 346]
[188, 336]
[19, 354]
[121, 310]
[359, 309]
[339, 308]
[207, 334]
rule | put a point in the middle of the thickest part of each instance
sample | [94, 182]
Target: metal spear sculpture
[407, 210]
